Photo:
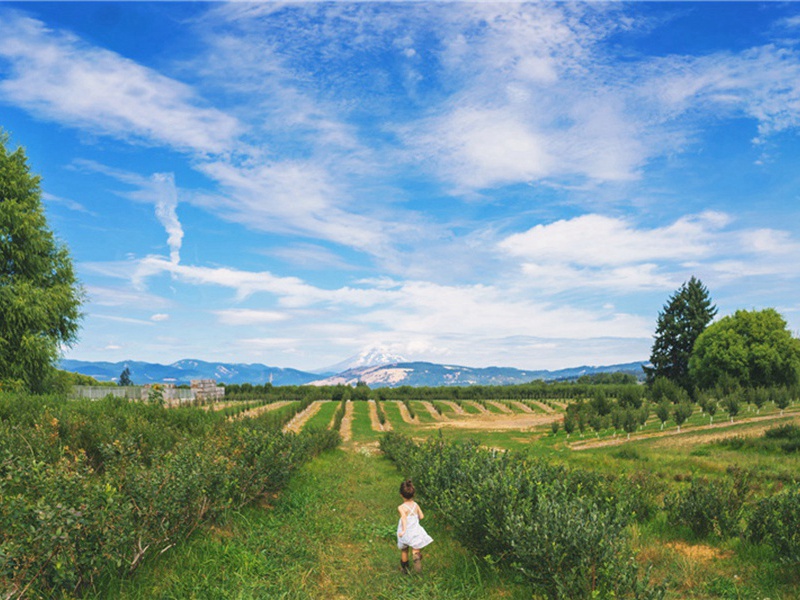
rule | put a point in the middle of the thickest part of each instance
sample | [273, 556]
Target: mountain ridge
[412, 373]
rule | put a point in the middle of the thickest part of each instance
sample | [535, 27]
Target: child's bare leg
[417, 560]
[404, 561]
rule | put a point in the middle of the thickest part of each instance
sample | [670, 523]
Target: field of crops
[133, 500]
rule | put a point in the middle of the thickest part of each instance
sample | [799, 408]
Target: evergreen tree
[40, 297]
[684, 317]
[125, 377]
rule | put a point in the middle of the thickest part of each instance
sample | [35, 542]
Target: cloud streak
[60, 77]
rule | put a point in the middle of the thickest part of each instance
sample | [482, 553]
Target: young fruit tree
[40, 296]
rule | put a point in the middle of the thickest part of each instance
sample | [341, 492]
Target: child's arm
[403, 520]
[419, 511]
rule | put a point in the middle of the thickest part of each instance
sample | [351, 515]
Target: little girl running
[410, 534]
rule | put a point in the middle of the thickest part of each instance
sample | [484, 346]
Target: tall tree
[40, 297]
[125, 377]
[684, 317]
[749, 348]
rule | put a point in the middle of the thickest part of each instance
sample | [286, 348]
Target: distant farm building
[202, 391]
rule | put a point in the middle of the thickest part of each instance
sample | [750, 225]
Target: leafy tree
[630, 396]
[597, 422]
[360, 392]
[731, 404]
[681, 413]
[684, 317]
[125, 377]
[569, 424]
[600, 402]
[662, 412]
[629, 421]
[749, 349]
[782, 398]
[40, 296]
[709, 406]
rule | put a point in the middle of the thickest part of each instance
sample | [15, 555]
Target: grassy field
[330, 534]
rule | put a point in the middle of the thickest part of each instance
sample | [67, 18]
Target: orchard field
[252, 499]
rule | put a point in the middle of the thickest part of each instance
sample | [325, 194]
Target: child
[410, 533]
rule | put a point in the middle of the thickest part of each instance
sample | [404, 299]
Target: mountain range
[375, 375]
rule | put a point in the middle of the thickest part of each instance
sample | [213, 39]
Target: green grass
[324, 415]
[362, 424]
[470, 408]
[392, 410]
[445, 409]
[423, 414]
[331, 534]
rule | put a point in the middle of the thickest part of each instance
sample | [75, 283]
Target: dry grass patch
[346, 430]
[297, 422]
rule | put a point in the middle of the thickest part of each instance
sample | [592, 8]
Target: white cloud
[595, 240]
[70, 204]
[295, 197]
[245, 316]
[159, 190]
[309, 256]
[539, 97]
[128, 320]
[762, 83]
[617, 255]
[159, 317]
[60, 77]
[166, 204]
[116, 296]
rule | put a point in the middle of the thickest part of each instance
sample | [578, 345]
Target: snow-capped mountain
[371, 357]
[393, 372]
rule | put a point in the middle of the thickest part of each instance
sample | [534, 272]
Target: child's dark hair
[407, 489]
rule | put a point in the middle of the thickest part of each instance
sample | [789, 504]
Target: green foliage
[91, 489]
[684, 317]
[732, 404]
[776, 522]
[662, 411]
[681, 413]
[708, 507]
[409, 408]
[616, 378]
[382, 414]
[125, 377]
[784, 439]
[339, 415]
[566, 531]
[748, 348]
[40, 297]
[630, 396]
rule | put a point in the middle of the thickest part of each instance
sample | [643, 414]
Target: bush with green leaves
[92, 489]
[776, 522]
[709, 507]
[565, 530]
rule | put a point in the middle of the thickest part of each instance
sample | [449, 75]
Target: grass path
[330, 535]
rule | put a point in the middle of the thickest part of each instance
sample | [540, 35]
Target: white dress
[415, 536]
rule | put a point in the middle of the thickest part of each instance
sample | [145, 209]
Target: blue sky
[478, 184]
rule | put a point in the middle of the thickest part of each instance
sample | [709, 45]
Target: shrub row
[92, 489]
[338, 416]
[565, 530]
[723, 508]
